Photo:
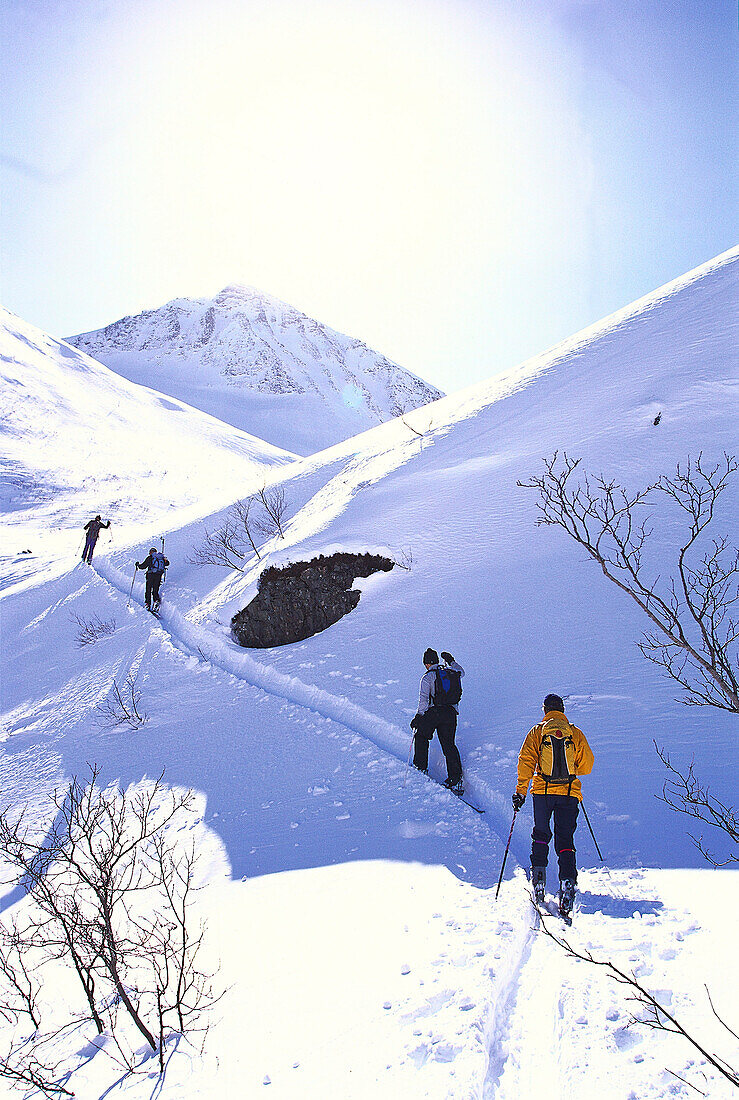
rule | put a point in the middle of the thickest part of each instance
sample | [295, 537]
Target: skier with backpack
[93, 528]
[155, 565]
[554, 754]
[438, 705]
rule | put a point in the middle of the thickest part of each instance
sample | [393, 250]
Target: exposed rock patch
[303, 599]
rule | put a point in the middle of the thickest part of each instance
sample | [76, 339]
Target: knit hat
[553, 702]
[431, 657]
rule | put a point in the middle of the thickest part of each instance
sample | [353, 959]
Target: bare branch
[684, 793]
[122, 707]
[91, 630]
[696, 635]
[275, 508]
[657, 1017]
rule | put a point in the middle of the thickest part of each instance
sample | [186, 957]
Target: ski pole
[505, 857]
[408, 761]
[130, 594]
[595, 842]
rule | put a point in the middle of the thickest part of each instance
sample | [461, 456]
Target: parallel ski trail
[195, 640]
[198, 642]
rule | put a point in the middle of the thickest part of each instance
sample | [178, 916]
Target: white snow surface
[261, 365]
[349, 901]
[75, 436]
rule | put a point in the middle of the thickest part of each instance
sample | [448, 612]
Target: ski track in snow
[196, 641]
[511, 1024]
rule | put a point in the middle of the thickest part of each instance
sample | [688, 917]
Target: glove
[448, 658]
[518, 801]
[415, 721]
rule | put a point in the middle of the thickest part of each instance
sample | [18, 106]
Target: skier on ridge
[554, 754]
[93, 527]
[438, 706]
[155, 565]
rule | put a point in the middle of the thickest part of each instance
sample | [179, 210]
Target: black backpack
[557, 760]
[448, 687]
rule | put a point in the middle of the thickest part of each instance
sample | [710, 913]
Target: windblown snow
[350, 901]
[261, 365]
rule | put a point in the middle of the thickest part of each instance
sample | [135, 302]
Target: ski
[472, 806]
[551, 908]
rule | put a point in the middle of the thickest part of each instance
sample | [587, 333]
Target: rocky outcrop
[303, 599]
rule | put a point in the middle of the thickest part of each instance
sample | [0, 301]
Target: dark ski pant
[89, 547]
[153, 580]
[441, 720]
[565, 808]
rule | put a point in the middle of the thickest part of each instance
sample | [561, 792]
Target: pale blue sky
[459, 183]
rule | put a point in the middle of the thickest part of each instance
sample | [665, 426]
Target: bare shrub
[122, 706]
[224, 546]
[249, 522]
[654, 1014]
[683, 792]
[22, 1067]
[111, 893]
[242, 513]
[272, 520]
[424, 430]
[20, 988]
[693, 610]
[91, 630]
[403, 558]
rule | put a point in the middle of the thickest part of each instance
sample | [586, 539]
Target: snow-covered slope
[350, 900]
[261, 365]
[77, 439]
[518, 605]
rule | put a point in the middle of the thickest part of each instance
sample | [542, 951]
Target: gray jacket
[428, 683]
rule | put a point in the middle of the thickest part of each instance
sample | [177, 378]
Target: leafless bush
[403, 558]
[122, 706]
[693, 611]
[91, 630]
[22, 1067]
[242, 512]
[20, 987]
[683, 792]
[425, 429]
[224, 546]
[272, 521]
[655, 1015]
[248, 523]
[112, 894]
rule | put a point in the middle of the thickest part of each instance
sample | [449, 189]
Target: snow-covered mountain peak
[261, 365]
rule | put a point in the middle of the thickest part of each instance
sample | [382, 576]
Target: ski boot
[456, 786]
[566, 897]
[539, 882]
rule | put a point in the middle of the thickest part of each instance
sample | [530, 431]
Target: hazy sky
[458, 183]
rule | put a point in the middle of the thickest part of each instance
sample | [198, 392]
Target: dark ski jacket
[93, 528]
[150, 566]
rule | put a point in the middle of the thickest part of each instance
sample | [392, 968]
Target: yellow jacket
[529, 759]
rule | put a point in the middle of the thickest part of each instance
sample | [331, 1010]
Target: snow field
[349, 901]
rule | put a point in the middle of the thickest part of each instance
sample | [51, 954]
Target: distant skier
[93, 528]
[554, 753]
[438, 705]
[154, 564]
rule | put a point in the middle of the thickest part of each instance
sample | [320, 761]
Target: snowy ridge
[260, 364]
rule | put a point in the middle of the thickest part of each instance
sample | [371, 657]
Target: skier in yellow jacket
[554, 754]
